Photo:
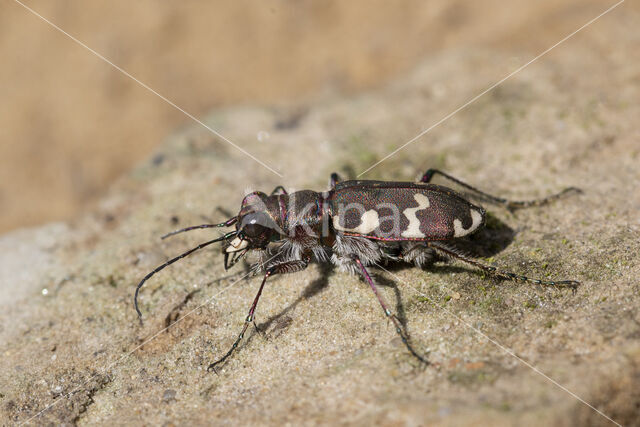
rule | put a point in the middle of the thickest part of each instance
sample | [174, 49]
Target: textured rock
[69, 335]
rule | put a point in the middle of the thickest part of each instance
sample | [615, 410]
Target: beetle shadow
[490, 240]
[399, 307]
[279, 319]
[318, 285]
[310, 290]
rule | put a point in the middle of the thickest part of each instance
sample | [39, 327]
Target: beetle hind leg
[418, 253]
[497, 272]
[509, 204]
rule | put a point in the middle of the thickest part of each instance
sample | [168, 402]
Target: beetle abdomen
[402, 211]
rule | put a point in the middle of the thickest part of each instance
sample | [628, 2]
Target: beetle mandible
[354, 225]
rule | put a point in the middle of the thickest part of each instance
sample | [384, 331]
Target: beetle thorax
[301, 213]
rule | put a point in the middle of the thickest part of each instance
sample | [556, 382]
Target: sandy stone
[502, 353]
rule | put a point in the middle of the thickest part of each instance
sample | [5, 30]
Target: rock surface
[502, 353]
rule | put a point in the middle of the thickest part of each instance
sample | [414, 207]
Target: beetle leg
[495, 271]
[333, 180]
[509, 204]
[282, 268]
[418, 253]
[388, 313]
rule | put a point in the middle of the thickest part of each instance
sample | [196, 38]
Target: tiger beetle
[354, 225]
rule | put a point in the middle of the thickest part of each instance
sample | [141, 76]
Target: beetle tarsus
[497, 272]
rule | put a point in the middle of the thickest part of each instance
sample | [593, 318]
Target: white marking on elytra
[369, 222]
[459, 230]
[413, 229]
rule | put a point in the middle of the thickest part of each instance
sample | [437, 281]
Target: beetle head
[256, 226]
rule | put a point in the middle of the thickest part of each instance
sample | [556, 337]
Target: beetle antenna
[227, 223]
[171, 261]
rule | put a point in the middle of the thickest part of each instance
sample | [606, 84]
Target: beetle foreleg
[388, 313]
[282, 268]
[509, 204]
[495, 271]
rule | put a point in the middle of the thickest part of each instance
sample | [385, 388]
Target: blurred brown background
[70, 123]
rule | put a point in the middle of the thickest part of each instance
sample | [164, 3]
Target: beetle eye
[253, 230]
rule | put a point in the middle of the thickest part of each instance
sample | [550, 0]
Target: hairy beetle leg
[495, 271]
[509, 204]
[282, 268]
[389, 314]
